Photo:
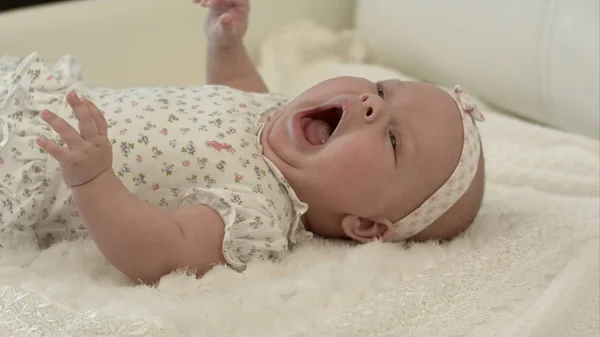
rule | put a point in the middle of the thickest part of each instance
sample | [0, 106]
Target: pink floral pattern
[172, 147]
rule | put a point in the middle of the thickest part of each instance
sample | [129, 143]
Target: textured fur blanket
[527, 267]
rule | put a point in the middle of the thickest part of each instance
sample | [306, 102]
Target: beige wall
[145, 42]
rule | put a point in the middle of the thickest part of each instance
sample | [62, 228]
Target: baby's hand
[227, 21]
[89, 151]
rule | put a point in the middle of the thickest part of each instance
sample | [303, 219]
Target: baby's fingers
[65, 131]
[205, 3]
[101, 124]
[87, 124]
[219, 5]
[226, 20]
[59, 153]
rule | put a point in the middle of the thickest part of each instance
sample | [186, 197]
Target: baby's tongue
[317, 131]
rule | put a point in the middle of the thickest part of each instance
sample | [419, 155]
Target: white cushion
[303, 54]
[538, 59]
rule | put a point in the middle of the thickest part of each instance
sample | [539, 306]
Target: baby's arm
[228, 62]
[141, 240]
[232, 67]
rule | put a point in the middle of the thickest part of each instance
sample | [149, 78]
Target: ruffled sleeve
[251, 229]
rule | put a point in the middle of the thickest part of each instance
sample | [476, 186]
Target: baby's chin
[269, 126]
[276, 144]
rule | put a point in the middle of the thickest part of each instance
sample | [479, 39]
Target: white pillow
[303, 54]
[538, 59]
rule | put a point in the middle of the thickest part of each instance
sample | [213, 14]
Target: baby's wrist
[101, 176]
[220, 47]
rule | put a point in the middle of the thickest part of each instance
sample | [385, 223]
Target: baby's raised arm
[141, 240]
[228, 62]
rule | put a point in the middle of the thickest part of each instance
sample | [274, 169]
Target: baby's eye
[380, 90]
[393, 140]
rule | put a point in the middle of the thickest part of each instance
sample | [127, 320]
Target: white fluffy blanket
[527, 267]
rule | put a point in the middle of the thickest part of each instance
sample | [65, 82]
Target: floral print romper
[172, 147]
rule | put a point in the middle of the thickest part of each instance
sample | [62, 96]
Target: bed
[529, 265]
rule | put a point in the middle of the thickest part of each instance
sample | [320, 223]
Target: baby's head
[370, 159]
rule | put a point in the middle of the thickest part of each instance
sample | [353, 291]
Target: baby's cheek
[353, 162]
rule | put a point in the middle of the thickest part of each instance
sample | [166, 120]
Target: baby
[173, 178]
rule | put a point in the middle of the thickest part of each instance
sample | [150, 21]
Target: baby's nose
[373, 105]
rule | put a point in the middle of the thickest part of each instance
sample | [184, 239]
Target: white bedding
[527, 267]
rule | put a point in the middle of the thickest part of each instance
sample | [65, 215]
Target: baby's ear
[366, 230]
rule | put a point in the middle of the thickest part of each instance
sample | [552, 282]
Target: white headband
[460, 180]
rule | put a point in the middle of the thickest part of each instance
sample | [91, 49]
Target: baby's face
[358, 150]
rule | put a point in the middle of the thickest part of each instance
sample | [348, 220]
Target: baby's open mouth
[320, 123]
